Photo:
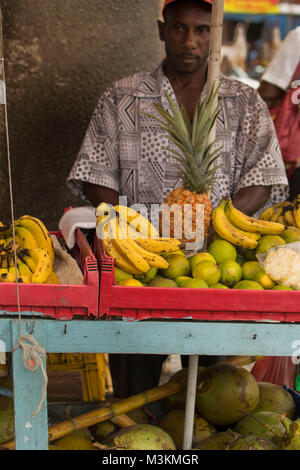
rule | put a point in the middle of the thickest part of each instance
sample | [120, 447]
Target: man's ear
[161, 30]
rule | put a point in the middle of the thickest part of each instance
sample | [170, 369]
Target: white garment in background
[281, 69]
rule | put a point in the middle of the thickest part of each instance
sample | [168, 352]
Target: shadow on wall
[59, 58]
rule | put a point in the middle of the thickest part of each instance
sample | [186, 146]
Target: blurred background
[60, 55]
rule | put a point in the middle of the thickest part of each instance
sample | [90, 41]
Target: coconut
[252, 443]
[173, 424]
[219, 441]
[261, 427]
[7, 423]
[223, 391]
[291, 440]
[178, 400]
[74, 442]
[102, 430]
[141, 437]
[273, 397]
[138, 415]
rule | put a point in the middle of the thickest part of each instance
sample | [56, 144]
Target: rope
[32, 354]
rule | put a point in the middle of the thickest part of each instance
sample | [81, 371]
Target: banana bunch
[31, 259]
[131, 240]
[238, 228]
[287, 213]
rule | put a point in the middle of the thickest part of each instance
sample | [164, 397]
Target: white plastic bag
[282, 264]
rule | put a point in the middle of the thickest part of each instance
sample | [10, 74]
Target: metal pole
[190, 402]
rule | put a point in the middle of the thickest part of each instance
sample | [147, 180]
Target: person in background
[275, 84]
[123, 152]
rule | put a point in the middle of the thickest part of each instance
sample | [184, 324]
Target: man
[123, 150]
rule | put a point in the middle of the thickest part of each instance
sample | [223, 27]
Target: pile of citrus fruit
[222, 266]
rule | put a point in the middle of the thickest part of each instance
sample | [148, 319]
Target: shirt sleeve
[98, 159]
[282, 67]
[262, 160]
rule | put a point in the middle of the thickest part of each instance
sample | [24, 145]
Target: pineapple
[196, 163]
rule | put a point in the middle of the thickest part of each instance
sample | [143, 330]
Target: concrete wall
[59, 56]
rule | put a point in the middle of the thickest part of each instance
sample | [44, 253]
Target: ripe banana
[276, 214]
[254, 235]
[288, 214]
[25, 272]
[52, 278]
[23, 254]
[296, 211]
[119, 236]
[229, 232]
[39, 231]
[26, 238]
[267, 213]
[43, 265]
[153, 259]
[3, 269]
[11, 273]
[123, 263]
[250, 224]
[159, 245]
[139, 222]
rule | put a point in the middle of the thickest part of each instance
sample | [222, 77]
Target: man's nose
[190, 39]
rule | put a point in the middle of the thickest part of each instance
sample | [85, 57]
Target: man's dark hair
[171, 6]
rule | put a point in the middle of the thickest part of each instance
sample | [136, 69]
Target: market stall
[99, 316]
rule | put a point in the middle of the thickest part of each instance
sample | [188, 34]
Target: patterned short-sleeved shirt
[124, 149]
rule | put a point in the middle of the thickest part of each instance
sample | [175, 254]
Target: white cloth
[281, 69]
[77, 217]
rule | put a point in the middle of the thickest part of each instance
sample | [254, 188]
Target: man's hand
[251, 199]
[97, 194]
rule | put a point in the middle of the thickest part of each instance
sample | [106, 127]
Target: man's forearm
[97, 194]
[250, 200]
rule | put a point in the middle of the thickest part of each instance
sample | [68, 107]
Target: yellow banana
[287, 213]
[3, 269]
[159, 245]
[296, 212]
[52, 278]
[267, 214]
[254, 235]
[26, 238]
[25, 272]
[11, 273]
[119, 260]
[229, 232]
[250, 224]
[118, 232]
[43, 265]
[138, 221]
[276, 214]
[23, 254]
[153, 259]
[40, 233]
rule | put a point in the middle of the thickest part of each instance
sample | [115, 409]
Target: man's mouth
[187, 58]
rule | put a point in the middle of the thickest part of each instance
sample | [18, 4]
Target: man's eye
[203, 29]
[179, 28]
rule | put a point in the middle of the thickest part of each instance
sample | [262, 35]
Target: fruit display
[287, 213]
[34, 252]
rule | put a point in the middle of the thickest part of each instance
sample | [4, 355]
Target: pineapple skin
[182, 196]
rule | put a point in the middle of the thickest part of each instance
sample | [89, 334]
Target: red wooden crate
[137, 303]
[61, 301]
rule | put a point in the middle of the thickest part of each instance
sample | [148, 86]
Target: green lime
[222, 250]
[231, 273]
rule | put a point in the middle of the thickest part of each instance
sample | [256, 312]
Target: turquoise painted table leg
[31, 433]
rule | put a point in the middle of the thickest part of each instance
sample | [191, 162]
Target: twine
[33, 355]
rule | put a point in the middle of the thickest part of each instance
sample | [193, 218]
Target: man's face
[186, 34]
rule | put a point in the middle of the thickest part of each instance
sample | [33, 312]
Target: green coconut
[178, 400]
[273, 397]
[218, 441]
[141, 437]
[74, 442]
[262, 426]
[173, 424]
[102, 430]
[138, 415]
[291, 440]
[252, 443]
[7, 419]
[223, 391]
